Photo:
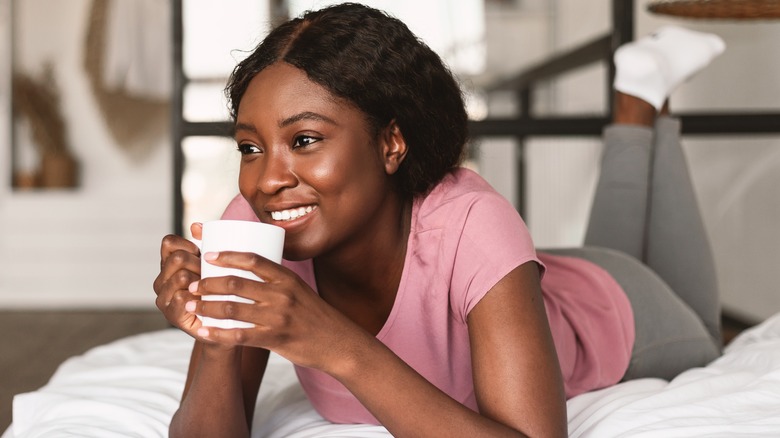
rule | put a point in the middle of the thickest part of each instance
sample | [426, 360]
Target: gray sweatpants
[646, 230]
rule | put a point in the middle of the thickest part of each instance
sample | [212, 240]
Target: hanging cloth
[128, 60]
[136, 50]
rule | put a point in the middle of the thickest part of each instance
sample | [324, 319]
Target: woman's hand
[179, 267]
[289, 317]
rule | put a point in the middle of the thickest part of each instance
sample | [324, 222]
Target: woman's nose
[277, 174]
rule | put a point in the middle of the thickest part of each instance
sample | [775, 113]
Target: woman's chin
[297, 253]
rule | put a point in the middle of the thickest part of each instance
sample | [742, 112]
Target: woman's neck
[362, 278]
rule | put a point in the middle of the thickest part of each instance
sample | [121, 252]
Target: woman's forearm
[212, 404]
[406, 403]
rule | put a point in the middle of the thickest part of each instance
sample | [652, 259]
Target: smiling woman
[351, 131]
[345, 116]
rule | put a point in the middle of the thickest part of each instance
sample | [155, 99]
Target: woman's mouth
[291, 213]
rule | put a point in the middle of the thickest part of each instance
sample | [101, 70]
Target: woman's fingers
[269, 328]
[196, 229]
[174, 293]
[173, 243]
[176, 253]
[244, 312]
[288, 317]
[175, 261]
[225, 287]
[227, 337]
[178, 282]
[258, 265]
[174, 301]
[271, 309]
[179, 268]
[225, 309]
[172, 305]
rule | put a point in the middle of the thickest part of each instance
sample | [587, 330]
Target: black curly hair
[375, 62]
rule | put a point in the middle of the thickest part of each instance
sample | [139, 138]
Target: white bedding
[131, 387]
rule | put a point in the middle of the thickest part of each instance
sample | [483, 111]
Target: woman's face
[310, 163]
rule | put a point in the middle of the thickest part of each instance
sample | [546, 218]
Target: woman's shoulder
[459, 182]
[461, 186]
[460, 197]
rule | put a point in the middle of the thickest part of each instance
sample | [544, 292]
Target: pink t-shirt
[464, 238]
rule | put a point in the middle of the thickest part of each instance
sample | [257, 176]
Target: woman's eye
[247, 149]
[304, 140]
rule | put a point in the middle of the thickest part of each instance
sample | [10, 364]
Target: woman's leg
[618, 215]
[678, 248]
[669, 337]
[647, 71]
[645, 207]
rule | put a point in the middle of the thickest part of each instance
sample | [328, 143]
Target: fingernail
[190, 306]
[193, 286]
[203, 332]
[209, 256]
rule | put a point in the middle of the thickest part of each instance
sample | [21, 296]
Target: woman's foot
[652, 67]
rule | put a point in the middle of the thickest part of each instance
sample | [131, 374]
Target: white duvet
[131, 387]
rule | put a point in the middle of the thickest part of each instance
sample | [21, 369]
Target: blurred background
[116, 135]
[90, 238]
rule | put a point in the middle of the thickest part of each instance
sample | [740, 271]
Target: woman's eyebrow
[245, 127]
[306, 115]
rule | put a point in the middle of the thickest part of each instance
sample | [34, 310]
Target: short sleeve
[494, 241]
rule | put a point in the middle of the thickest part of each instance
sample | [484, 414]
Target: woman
[410, 295]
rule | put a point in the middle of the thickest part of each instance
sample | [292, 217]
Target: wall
[98, 245]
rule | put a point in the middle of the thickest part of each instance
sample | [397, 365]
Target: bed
[131, 387]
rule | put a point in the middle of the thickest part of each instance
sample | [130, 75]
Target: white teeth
[293, 213]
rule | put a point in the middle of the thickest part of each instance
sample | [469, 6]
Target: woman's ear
[393, 147]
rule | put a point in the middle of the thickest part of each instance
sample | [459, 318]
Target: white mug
[241, 236]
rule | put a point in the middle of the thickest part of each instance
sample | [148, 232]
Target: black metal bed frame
[523, 126]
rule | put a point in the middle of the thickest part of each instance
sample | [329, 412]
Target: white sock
[652, 67]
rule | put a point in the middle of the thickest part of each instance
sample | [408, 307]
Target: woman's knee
[666, 358]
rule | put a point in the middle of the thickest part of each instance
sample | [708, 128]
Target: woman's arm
[517, 376]
[220, 392]
[222, 382]
[516, 373]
